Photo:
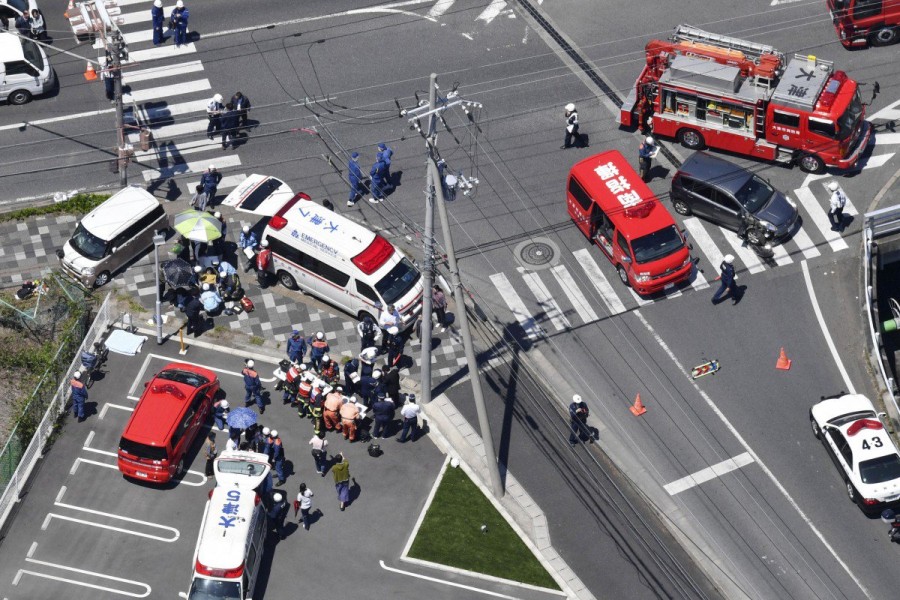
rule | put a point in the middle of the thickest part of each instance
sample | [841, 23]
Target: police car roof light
[863, 424]
[278, 221]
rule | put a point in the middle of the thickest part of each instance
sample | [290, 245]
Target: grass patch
[133, 305]
[256, 340]
[451, 535]
[78, 204]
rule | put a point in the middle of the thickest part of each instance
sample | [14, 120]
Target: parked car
[733, 197]
[173, 409]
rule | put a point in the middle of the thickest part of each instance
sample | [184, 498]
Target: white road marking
[697, 233]
[119, 406]
[140, 376]
[130, 18]
[166, 91]
[532, 330]
[820, 219]
[888, 113]
[637, 298]
[777, 2]
[174, 70]
[573, 293]
[227, 183]
[168, 51]
[883, 139]
[781, 255]
[440, 7]
[169, 150]
[51, 516]
[545, 299]
[709, 473]
[178, 129]
[806, 245]
[613, 304]
[490, 13]
[672, 291]
[76, 116]
[160, 111]
[130, 2]
[745, 254]
[824, 327]
[137, 584]
[231, 160]
[450, 583]
[699, 282]
[182, 481]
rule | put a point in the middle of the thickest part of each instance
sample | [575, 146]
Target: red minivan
[174, 408]
[615, 209]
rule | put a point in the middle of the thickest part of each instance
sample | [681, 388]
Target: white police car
[852, 432]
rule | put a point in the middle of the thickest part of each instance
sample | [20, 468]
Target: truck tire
[885, 36]
[18, 97]
[810, 163]
[691, 139]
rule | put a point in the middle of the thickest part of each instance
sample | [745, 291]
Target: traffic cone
[638, 408]
[90, 74]
[784, 363]
[71, 7]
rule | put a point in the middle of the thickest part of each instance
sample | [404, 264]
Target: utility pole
[435, 194]
[116, 48]
[430, 186]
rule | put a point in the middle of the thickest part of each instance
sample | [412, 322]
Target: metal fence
[39, 419]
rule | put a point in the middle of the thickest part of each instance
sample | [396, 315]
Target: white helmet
[729, 258]
[326, 358]
[833, 186]
[179, 4]
[650, 140]
[274, 433]
[206, 289]
[157, 3]
[218, 98]
[217, 215]
[77, 375]
[570, 107]
[224, 403]
[212, 167]
[320, 383]
[264, 243]
[250, 363]
[376, 373]
[246, 229]
[266, 431]
[276, 496]
[320, 335]
[303, 367]
[576, 398]
[393, 330]
[198, 269]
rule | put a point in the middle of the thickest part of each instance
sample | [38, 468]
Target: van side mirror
[626, 259]
[182, 594]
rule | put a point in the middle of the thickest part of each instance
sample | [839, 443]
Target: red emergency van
[616, 210]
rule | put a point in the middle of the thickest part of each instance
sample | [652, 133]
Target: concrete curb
[453, 434]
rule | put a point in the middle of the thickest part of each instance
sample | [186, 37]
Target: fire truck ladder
[750, 49]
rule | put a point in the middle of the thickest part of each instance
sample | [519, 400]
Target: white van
[112, 235]
[25, 70]
[326, 255]
[233, 532]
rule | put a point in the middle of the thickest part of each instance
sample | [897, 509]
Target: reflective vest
[329, 371]
[304, 389]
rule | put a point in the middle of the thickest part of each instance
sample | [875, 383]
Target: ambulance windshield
[656, 245]
[212, 589]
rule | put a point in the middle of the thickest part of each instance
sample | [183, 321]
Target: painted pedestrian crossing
[568, 296]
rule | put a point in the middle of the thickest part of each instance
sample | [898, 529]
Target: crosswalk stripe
[169, 151]
[551, 309]
[637, 298]
[781, 255]
[130, 2]
[820, 218]
[440, 7]
[747, 256]
[514, 302]
[600, 282]
[672, 291]
[167, 51]
[192, 167]
[166, 91]
[806, 245]
[174, 70]
[139, 16]
[698, 234]
[176, 129]
[849, 209]
[227, 183]
[573, 293]
[699, 282]
[151, 112]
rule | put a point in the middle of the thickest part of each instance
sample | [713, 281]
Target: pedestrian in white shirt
[389, 318]
[410, 413]
[304, 501]
[838, 202]
[319, 444]
[232, 443]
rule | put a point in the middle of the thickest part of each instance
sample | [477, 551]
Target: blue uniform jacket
[156, 14]
[367, 385]
[79, 392]
[297, 346]
[180, 17]
[727, 274]
[317, 350]
[277, 452]
[355, 174]
[251, 378]
[377, 172]
[210, 180]
[383, 410]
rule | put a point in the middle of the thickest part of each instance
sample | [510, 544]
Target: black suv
[733, 197]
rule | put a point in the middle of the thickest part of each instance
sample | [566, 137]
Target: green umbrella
[198, 226]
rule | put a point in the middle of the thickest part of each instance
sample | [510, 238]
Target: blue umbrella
[241, 418]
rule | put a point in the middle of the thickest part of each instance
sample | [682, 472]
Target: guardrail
[878, 224]
[17, 464]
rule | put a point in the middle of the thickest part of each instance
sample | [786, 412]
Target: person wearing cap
[79, 395]
[349, 414]
[378, 174]
[158, 18]
[296, 346]
[331, 410]
[278, 457]
[220, 413]
[572, 134]
[277, 513]
[341, 474]
[252, 386]
[578, 415]
[265, 446]
[219, 242]
[319, 454]
[291, 380]
[329, 369]
[178, 21]
[214, 109]
[646, 151]
[210, 179]
[395, 344]
[727, 280]
[369, 386]
[351, 375]
[211, 299]
[388, 318]
[247, 243]
[192, 310]
[410, 414]
[317, 404]
[386, 153]
[318, 347]
[838, 201]
[383, 415]
[263, 262]
[369, 334]
[304, 393]
[355, 177]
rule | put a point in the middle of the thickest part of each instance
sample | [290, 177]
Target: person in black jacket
[392, 384]
[242, 106]
[192, 312]
[578, 416]
[383, 411]
[230, 122]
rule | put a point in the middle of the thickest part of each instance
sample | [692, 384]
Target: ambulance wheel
[287, 280]
[693, 140]
[811, 163]
[19, 97]
[885, 36]
[681, 207]
[623, 275]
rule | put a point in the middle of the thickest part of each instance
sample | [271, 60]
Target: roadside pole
[115, 49]
[431, 185]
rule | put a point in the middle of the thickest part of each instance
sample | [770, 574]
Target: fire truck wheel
[681, 207]
[811, 163]
[623, 275]
[885, 36]
[691, 139]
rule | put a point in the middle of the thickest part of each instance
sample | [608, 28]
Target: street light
[158, 240]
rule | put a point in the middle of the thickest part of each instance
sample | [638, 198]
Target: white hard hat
[570, 107]
[218, 98]
[205, 287]
[320, 383]
[77, 375]
[264, 243]
[320, 335]
[217, 215]
[246, 229]
[729, 258]
[303, 366]
[266, 431]
[157, 3]
[211, 166]
[250, 363]
[274, 433]
[276, 496]
[650, 140]
[833, 186]
[326, 358]
[224, 403]
[179, 4]
[393, 330]
[376, 373]
[576, 398]
[198, 269]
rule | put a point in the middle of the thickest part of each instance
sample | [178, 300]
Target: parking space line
[109, 405]
[140, 375]
[182, 481]
[445, 582]
[94, 586]
[216, 369]
[709, 473]
[51, 516]
[79, 460]
[89, 439]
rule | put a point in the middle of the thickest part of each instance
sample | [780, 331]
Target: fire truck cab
[862, 22]
[705, 89]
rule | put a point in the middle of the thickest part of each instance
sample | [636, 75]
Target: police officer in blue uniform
[179, 22]
[253, 386]
[158, 18]
[727, 280]
[355, 177]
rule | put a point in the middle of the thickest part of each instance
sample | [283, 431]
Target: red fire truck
[863, 22]
[712, 90]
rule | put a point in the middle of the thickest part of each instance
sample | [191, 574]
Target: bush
[78, 204]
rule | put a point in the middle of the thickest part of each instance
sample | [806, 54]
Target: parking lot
[84, 531]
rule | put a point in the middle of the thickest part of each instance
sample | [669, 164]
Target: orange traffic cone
[784, 363]
[638, 408]
[69, 8]
[90, 74]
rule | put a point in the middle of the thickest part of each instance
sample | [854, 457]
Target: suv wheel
[102, 279]
[755, 236]
[623, 275]
[811, 163]
[691, 139]
[179, 470]
[287, 280]
[19, 97]
[885, 36]
[681, 207]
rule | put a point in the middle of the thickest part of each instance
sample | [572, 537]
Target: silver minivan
[25, 70]
[111, 235]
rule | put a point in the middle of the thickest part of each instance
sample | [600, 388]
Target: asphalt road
[331, 90]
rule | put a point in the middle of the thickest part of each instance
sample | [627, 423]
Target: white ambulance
[233, 532]
[329, 256]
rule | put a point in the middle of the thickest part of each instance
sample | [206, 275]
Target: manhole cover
[538, 253]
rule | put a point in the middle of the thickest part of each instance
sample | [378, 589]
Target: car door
[701, 198]
[839, 451]
[727, 210]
